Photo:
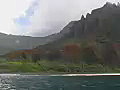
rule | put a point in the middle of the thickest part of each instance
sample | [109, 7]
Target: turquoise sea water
[32, 82]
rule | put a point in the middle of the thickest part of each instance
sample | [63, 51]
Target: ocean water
[36, 82]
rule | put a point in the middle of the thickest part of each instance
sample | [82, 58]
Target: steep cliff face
[102, 22]
[100, 30]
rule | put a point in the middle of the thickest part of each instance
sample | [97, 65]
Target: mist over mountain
[98, 33]
[15, 42]
[101, 25]
[102, 22]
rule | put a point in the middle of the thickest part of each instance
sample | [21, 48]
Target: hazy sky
[42, 17]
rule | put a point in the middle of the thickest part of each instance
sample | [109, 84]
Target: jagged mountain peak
[82, 17]
[100, 22]
[108, 4]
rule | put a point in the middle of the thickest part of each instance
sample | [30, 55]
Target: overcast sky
[43, 17]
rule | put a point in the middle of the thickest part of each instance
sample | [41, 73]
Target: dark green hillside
[97, 35]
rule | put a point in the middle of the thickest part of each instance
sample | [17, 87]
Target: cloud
[46, 17]
[53, 15]
[24, 20]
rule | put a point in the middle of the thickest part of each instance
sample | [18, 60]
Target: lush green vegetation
[84, 57]
[49, 67]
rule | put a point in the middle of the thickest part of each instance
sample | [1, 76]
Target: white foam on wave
[9, 74]
[104, 74]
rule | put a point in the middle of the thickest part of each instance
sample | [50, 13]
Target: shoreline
[50, 74]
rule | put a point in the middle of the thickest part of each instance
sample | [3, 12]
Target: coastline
[58, 74]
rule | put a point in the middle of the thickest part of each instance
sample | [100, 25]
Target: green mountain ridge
[10, 43]
[98, 33]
